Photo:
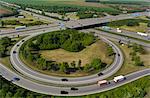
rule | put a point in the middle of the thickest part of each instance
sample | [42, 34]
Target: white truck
[20, 27]
[102, 82]
[142, 34]
[119, 78]
[118, 30]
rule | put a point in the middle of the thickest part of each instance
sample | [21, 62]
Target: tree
[79, 64]
[86, 67]
[73, 64]
[2, 23]
[110, 50]
[138, 62]
[62, 67]
[133, 23]
[96, 64]
[138, 48]
[148, 24]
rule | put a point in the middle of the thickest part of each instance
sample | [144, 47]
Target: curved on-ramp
[21, 67]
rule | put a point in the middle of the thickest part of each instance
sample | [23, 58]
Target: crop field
[4, 10]
[57, 2]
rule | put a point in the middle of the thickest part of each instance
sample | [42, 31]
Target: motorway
[71, 24]
[37, 82]
[118, 37]
[83, 90]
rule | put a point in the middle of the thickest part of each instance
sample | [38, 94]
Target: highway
[72, 24]
[127, 33]
[118, 37]
[37, 82]
[84, 90]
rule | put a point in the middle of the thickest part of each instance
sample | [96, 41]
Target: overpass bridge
[96, 21]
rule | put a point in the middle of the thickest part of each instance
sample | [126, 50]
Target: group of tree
[9, 90]
[127, 22]
[110, 51]
[4, 43]
[135, 57]
[70, 40]
[63, 9]
[17, 22]
[96, 64]
[83, 15]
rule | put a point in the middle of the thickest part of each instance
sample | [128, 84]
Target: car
[99, 74]
[17, 45]
[118, 54]
[15, 79]
[22, 40]
[64, 92]
[14, 52]
[73, 88]
[64, 79]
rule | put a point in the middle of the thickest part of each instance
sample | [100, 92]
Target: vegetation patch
[36, 50]
[7, 11]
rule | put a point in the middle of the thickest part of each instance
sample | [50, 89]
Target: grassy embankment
[96, 50]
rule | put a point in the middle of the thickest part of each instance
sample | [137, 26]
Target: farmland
[4, 11]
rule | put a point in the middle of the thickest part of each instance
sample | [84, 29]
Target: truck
[106, 28]
[102, 82]
[20, 27]
[142, 34]
[119, 78]
[118, 30]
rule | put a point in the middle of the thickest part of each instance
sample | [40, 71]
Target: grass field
[141, 28]
[96, 50]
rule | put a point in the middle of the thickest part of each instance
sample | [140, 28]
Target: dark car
[18, 45]
[64, 79]
[22, 40]
[73, 88]
[14, 51]
[64, 92]
[118, 54]
[16, 78]
[99, 74]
